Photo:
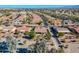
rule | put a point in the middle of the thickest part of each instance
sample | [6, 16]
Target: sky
[39, 6]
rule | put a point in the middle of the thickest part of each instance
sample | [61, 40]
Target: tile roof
[40, 29]
[24, 29]
[21, 17]
[36, 18]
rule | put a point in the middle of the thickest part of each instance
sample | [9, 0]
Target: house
[18, 20]
[40, 30]
[67, 23]
[36, 18]
[24, 29]
[57, 22]
[21, 17]
[8, 29]
[62, 31]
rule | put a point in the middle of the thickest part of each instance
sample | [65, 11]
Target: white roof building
[61, 29]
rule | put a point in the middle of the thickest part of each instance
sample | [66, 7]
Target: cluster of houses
[16, 23]
[38, 29]
[66, 30]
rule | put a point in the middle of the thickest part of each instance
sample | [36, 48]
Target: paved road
[55, 39]
[55, 42]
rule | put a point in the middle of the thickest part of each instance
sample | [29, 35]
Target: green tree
[39, 23]
[60, 34]
[60, 50]
[48, 35]
[32, 34]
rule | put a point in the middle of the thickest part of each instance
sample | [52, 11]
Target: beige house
[57, 22]
[36, 18]
[40, 30]
[8, 29]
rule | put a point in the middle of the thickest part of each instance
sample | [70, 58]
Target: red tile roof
[36, 18]
[21, 17]
[24, 29]
[41, 29]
